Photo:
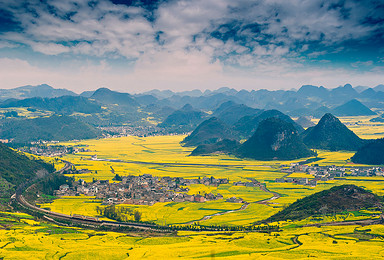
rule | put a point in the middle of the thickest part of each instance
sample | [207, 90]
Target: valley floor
[22, 237]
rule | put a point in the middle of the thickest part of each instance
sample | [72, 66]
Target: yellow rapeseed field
[164, 156]
[26, 239]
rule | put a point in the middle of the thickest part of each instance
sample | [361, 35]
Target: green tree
[137, 215]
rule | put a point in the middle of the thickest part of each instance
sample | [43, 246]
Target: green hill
[224, 146]
[331, 134]
[335, 200]
[184, 119]
[274, 139]
[247, 125]
[16, 168]
[230, 112]
[107, 96]
[353, 108]
[62, 105]
[43, 90]
[58, 128]
[371, 153]
[208, 132]
[304, 122]
[320, 111]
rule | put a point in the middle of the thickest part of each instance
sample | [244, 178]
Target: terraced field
[25, 238]
[163, 156]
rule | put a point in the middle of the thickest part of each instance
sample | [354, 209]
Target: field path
[266, 201]
[179, 164]
[243, 207]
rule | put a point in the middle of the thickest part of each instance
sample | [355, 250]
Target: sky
[138, 45]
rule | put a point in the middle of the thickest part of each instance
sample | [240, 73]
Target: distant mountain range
[239, 112]
[43, 91]
[307, 101]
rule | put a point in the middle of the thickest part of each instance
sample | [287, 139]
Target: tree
[117, 178]
[137, 215]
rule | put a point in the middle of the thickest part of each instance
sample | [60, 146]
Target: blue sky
[133, 46]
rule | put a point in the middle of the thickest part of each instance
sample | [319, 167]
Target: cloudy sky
[133, 46]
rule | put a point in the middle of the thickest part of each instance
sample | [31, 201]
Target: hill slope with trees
[16, 168]
[274, 139]
[224, 146]
[62, 105]
[58, 128]
[331, 134]
[371, 153]
[353, 108]
[335, 200]
[247, 125]
[208, 132]
[185, 119]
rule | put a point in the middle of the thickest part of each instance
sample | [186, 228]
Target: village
[148, 190]
[145, 190]
[51, 149]
[325, 173]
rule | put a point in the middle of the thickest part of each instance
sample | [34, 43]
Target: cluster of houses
[144, 190]
[141, 131]
[326, 173]
[51, 150]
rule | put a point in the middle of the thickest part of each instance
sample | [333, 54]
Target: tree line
[122, 214]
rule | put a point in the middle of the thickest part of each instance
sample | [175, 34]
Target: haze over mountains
[210, 116]
[305, 101]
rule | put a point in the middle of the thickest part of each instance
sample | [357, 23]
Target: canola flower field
[22, 236]
[164, 156]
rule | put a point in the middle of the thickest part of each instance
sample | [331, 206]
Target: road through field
[180, 164]
[243, 207]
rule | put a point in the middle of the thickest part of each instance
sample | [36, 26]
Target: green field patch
[162, 240]
[57, 230]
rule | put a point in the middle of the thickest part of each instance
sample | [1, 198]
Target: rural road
[243, 207]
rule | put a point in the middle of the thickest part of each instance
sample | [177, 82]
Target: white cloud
[182, 71]
[263, 44]
[49, 48]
